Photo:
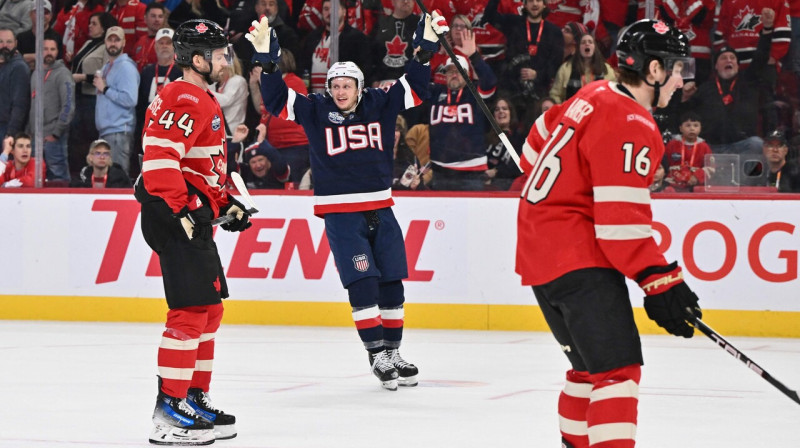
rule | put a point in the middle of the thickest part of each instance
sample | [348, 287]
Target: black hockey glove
[196, 220]
[236, 208]
[669, 301]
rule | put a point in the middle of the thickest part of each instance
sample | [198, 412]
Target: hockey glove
[429, 27]
[265, 42]
[195, 219]
[13, 183]
[242, 221]
[669, 301]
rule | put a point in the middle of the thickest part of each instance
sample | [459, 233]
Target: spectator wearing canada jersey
[686, 154]
[391, 43]
[72, 22]
[20, 171]
[694, 19]
[144, 52]
[350, 134]
[457, 126]
[585, 224]
[130, 17]
[181, 190]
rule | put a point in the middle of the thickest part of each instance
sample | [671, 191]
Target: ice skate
[383, 369]
[407, 372]
[175, 423]
[224, 424]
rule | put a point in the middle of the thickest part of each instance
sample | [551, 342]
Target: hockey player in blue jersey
[350, 131]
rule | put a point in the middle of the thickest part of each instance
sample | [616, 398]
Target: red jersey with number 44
[586, 203]
[184, 141]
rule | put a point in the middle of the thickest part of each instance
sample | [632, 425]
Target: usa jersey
[351, 155]
[184, 141]
[586, 203]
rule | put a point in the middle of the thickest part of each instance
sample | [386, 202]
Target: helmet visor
[685, 67]
[222, 55]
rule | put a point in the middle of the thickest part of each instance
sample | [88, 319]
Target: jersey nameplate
[578, 110]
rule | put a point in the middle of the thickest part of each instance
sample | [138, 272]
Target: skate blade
[224, 432]
[409, 381]
[174, 436]
[389, 385]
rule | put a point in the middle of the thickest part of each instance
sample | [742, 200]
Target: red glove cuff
[661, 282]
[194, 203]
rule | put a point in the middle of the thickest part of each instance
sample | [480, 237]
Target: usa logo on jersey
[361, 263]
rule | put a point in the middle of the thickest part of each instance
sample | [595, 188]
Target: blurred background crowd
[735, 126]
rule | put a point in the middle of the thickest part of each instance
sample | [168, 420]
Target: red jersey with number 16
[586, 203]
[184, 141]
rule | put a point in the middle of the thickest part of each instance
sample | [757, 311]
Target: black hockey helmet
[646, 39]
[197, 36]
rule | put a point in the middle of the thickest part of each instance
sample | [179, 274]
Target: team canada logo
[335, 117]
[661, 27]
[396, 53]
[361, 263]
[201, 28]
[216, 123]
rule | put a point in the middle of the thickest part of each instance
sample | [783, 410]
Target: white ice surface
[68, 385]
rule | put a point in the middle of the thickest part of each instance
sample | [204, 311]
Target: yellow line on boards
[337, 314]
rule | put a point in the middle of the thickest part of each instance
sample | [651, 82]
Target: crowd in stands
[104, 61]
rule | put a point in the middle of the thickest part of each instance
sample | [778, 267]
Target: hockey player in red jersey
[585, 224]
[350, 134]
[181, 190]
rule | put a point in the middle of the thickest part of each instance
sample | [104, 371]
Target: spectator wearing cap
[782, 174]
[587, 65]
[86, 62]
[144, 51]
[457, 125]
[264, 167]
[15, 96]
[72, 22]
[58, 94]
[728, 103]
[100, 171]
[26, 40]
[14, 16]
[130, 16]
[117, 92]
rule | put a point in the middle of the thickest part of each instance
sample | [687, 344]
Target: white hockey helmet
[345, 69]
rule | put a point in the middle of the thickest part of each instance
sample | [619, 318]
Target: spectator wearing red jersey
[285, 135]
[685, 155]
[695, 20]
[72, 22]
[144, 52]
[361, 15]
[561, 12]
[20, 171]
[130, 17]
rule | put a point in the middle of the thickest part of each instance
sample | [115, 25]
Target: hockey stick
[500, 134]
[736, 353]
[242, 189]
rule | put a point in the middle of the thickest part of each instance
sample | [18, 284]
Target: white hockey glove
[429, 27]
[265, 42]
[13, 183]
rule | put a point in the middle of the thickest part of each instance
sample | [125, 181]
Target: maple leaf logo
[747, 19]
[660, 27]
[219, 168]
[201, 28]
[396, 47]
[217, 284]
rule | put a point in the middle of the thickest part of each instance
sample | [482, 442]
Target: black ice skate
[176, 423]
[384, 370]
[224, 424]
[407, 372]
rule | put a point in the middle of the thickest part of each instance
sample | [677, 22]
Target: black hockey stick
[736, 353]
[489, 116]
